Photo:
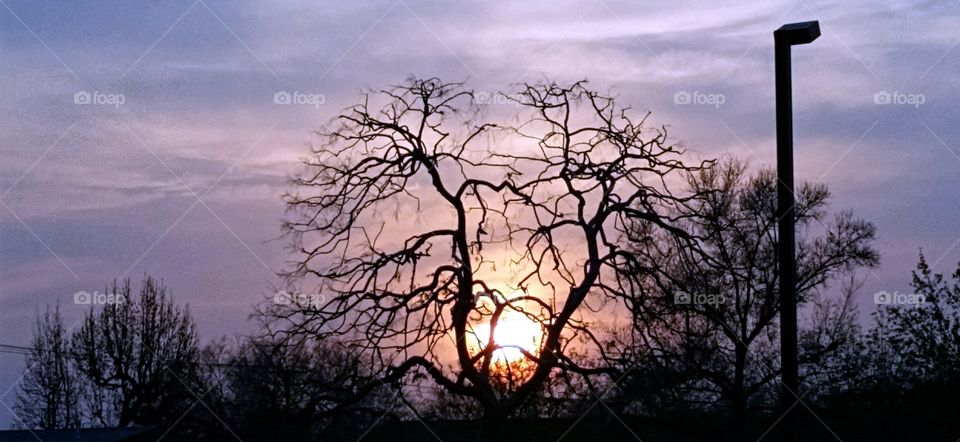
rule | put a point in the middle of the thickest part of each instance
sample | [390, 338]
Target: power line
[15, 349]
[27, 351]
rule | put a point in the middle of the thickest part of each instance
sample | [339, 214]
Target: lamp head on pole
[797, 33]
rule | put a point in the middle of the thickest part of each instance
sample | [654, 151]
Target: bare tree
[832, 344]
[139, 354]
[260, 388]
[714, 323]
[562, 394]
[412, 206]
[49, 394]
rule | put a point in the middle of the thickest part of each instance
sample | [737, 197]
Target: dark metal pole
[784, 38]
[787, 237]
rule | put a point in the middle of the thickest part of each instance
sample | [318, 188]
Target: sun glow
[514, 333]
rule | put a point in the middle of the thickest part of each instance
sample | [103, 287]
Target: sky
[145, 138]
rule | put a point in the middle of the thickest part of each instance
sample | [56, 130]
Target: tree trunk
[739, 394]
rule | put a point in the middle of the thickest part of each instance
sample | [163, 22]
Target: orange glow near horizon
[514, 331]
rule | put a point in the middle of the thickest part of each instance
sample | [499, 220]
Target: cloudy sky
[176, 163]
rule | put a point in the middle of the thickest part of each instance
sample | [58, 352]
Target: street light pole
[785, 37]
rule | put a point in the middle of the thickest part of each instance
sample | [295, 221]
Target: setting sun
[514, 331]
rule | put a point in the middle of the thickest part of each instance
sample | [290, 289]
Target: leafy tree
[905, 365]
[920, 339]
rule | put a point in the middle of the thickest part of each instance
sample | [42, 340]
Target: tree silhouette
[712, 329]
[528, 215]
[261, 389]
[137, 357]
[921, 338]
[49, 394]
